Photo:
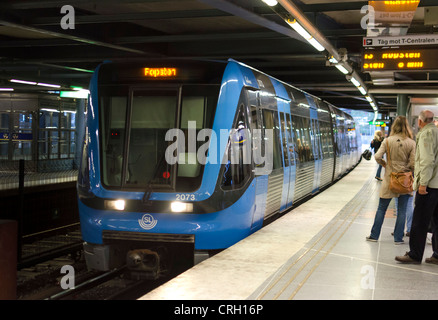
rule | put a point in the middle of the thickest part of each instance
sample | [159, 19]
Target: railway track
[40, 275]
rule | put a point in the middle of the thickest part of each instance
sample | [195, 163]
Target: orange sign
[160, 72]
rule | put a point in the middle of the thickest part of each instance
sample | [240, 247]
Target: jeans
[425, 212]
[379, 171]
[409, 211]
[400, 221]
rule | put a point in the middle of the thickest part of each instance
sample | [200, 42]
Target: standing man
[426, 184]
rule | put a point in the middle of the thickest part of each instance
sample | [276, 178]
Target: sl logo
[147, 222]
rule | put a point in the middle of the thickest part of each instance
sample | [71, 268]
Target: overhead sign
[388, 13]
[410, 40]
[377, 123]
[160, 72]
[397, 60]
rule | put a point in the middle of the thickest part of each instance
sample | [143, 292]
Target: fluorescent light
[333, 60]
[48, 85]
[369, 99]
[316, 44]
[302, 32]
[355, 82]
[270, 3]
[342, 69]
[23, 81]
[362, 90]
[83, 94]
[6, 89]
[35, 83]
[49, 110]
[298, 28]
[181, 207]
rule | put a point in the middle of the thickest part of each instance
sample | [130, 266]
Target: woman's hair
[401, 126]
[378, 135]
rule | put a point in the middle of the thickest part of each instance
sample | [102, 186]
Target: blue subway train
[198, 154]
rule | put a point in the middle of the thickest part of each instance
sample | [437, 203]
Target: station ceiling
[35, 47]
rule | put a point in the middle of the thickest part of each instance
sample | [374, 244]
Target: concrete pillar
[8, 260]
[402, 104]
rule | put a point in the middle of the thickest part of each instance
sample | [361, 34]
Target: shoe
[371, 239]
[399, 242]
[408, 234]
[432, 260]
[406, 259]
[378, 178]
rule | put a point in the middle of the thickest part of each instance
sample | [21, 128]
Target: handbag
[367, 154]
[400, 182]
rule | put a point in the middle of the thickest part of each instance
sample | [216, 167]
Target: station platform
[317, 251]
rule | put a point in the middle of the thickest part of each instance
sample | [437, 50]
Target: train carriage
[198, 154]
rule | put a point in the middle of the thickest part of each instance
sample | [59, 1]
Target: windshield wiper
[149, 190]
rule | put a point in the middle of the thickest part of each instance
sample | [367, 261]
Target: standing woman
[402, 159]
[375, 144]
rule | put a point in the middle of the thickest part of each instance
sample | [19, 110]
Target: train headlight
[177, 206]
[115, 205]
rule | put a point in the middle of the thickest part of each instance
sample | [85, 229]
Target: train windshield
[134, 123]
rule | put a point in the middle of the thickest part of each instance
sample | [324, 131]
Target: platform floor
[316, 251]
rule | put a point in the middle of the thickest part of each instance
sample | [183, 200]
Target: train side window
[290, 142]
[302, 138]
[113, 138]
[316, 137]
[258, 137]
[285, 134]
[270, 122]
[327, 149]
[237, 168]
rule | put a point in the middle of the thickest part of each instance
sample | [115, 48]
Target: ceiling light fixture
[302, 32]
[48, 85]
[270, 3]
[23, 82]
[342, 68]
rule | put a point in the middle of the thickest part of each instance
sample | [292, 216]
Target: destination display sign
[400, 59]
[409, 40]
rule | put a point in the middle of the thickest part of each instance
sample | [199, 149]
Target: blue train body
[313, 144]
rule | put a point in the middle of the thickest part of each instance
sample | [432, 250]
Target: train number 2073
[185, 197]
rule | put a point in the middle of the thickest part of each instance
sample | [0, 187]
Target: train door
[287, 151]
[292, 161]
[316, 144]
[275, 170]
[261, 181]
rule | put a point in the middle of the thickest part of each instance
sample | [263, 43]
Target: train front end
[149, 187]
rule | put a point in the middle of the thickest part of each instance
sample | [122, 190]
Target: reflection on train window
[258, 142]
[237, 168]
[152, 114]
[326, 140]
[290, 142]
[316, 138]
[113, 109]
[302, 138]
[197, 113]
[270, 122]
[285, 134]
